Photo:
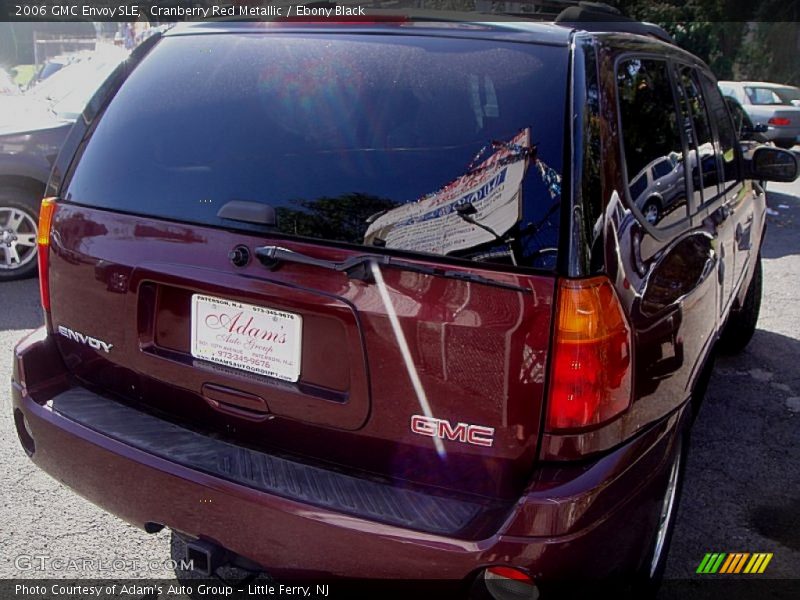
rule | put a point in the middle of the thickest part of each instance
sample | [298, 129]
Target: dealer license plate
[247, 337]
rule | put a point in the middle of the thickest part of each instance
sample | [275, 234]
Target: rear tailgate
[477, 351]
[329, 146]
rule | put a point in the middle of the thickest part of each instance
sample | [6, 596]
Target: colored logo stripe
[711, 562]
[721, 562]
[734, 563]
[758, 563]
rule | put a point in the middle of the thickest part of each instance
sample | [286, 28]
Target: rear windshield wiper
[358, 267]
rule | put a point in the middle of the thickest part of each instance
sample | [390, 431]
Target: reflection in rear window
[365, 140]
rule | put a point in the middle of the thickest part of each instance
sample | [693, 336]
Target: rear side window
[761, 95]
[662, 168]
[788, 94]
[370, 140]
[652, 140]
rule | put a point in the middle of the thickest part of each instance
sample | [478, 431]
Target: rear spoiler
[598, 17]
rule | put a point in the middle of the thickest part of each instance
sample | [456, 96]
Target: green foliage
[769, 55]
[758, 39]
[696, 26]
[343, 218]
[23, 74]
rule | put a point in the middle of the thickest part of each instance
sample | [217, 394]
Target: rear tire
[648, 579]
[742, 322]
[19, 217]
[643, 583]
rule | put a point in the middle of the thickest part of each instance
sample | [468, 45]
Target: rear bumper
[592, 520]
[782, 134]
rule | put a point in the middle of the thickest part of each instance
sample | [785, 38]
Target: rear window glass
[440, 146]
[760, 95]
[788, 94]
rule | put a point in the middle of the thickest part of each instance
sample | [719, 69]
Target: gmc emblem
[477, 435]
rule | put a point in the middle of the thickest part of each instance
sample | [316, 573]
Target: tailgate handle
[248, 212]
[235, 402]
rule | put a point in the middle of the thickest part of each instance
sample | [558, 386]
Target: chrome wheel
[17, 238]
[665, 519]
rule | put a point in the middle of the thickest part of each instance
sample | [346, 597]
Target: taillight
[590, 374]
[46, 213]
[780, 121]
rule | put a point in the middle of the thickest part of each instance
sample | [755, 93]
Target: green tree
[710, 29]
[771, 50]
[342, 218]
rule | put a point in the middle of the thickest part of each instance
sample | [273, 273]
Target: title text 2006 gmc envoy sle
[395, 299]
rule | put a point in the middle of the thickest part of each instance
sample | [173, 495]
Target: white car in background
[67, 91]
[33, 126]
[766, 105]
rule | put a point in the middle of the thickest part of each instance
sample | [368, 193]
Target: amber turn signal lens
[46, 212]
[590, 374]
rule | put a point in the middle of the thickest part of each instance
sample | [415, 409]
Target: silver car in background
[765, 105]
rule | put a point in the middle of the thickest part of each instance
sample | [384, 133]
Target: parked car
[101, 53]
[746, 131]
[285, 321]
[766, 105]
[33, 126]
[51, 67]
[658, 186]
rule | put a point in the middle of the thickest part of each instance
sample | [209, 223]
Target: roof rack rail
[535, 10]
[600, 17]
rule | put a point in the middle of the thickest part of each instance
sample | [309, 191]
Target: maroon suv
[375, 300]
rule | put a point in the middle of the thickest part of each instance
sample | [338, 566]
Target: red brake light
[505, 583]
[780, 121]
[46, 213]
[590, 375]
[509, 573]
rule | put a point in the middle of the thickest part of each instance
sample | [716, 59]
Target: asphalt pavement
[741, 493]
[742, 486]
